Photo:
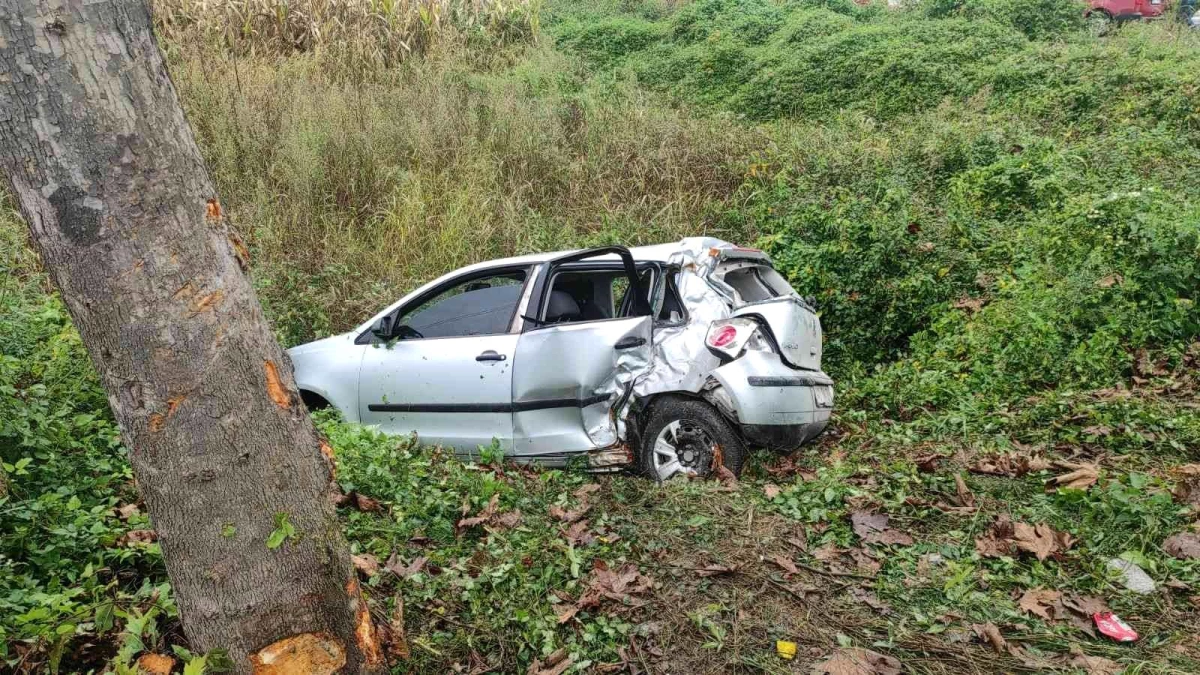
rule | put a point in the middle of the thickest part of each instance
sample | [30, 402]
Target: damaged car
[670, 359]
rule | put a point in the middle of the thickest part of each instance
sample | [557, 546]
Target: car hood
[326, 344]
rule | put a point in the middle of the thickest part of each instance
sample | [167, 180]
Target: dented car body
[670, 358]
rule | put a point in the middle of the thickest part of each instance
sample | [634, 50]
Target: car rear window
[755, 282]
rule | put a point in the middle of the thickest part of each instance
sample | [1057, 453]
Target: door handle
[490, 355]
[629, 342]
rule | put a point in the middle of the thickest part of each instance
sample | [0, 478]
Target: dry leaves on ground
[1079, 476]
[873, 528]
[358, 501]
[784, 563]
[489, 516]
[1012, 465]
[1185, 546]
[555, 664]
[622, 585]
[1093, 665]
[1006, 538]
[991, 634]
[138, 537]
[962, 494]
[397, 567]
[857, 661]
[1053, 605]
[366, 564]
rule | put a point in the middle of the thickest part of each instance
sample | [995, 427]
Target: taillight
[730, 337]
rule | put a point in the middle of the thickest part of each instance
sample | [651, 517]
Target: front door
[447, 371]
[587, 339]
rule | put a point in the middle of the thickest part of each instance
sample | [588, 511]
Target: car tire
[1100, 22]
[694, 431]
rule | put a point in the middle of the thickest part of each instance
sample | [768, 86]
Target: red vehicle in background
[1102, 12]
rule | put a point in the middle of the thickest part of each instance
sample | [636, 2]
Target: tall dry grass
[356, 35]
[353, 192]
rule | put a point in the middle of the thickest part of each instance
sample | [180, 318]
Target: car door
[571, 369]
[442, 365]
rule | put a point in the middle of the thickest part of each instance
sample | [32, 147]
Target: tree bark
[116, 195]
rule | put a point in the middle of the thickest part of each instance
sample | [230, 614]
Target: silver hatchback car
[669, 359]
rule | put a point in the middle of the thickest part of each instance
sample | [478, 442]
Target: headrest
[562, 307]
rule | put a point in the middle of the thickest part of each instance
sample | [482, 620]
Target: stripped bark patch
[364, 629]
[310, 653]
[207, 302]
[275, 387]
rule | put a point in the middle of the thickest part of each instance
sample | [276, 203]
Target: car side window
[477, 306]
[591, 295]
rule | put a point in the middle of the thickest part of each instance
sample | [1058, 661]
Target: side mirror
[382, 328]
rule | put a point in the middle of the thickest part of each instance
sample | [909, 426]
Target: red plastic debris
[1111, 625]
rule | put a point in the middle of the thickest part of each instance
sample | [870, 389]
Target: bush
[1037, 19]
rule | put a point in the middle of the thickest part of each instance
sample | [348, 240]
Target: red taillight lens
[722, 336]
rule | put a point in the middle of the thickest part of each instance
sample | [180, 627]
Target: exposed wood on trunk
[108, 176]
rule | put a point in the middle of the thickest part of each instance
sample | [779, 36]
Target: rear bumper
[776, 406]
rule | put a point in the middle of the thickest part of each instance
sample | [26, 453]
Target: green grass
[996, 212]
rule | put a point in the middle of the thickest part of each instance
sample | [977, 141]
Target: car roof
[652, 253]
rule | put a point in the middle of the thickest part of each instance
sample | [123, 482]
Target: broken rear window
[754, 282]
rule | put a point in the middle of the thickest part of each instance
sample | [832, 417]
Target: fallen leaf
[555, 664]
[1078, 476]
[871, 600]
[395, 566]
[621, 586]
[1011, 465]
[864, 522]
[991, 634]
[865, 562]
[567, 613]
[785, 564]
[857, 661]
[965, 497]
[873, 529]
[1184, 546]
[771, 490]
[155, 664]
[578, 534]
[508, 520]
[1093, 665]
[138, 537]
[1005, 537]
[366, 564]
[365, 503]
[1041, 540]
[716, 570]
[927, 463]
[1040, 601]
[827, 552]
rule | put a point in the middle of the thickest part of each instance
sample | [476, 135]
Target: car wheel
[688, 437]
[1099, 22]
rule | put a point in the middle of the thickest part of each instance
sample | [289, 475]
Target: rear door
[447, 371]
[586, 337]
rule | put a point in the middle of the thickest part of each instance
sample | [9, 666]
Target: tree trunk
[109, 178]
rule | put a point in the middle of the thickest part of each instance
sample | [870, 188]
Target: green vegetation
[996, 211]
